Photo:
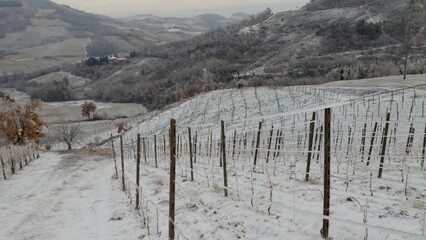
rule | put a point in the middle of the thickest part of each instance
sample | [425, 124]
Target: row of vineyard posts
[223, 164]
[13, 156]
[313, 141]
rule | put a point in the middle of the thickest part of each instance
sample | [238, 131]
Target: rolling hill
[36, 35]
[324, 41]
[178, 29]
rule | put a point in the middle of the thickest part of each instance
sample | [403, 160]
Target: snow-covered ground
[75, 192]
[66, 196]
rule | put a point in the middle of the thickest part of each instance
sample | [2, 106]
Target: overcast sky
[179, 8]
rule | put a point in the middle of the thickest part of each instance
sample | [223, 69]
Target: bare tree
[67, 132]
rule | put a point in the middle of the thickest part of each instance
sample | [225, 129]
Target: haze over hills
[325, 40]
[39, 34]
[176, 29]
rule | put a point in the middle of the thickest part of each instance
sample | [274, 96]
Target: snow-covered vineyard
[254, 181]
[268, 144]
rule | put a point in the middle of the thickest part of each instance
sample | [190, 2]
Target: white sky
[179, 8]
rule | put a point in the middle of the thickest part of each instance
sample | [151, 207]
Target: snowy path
[70, 196]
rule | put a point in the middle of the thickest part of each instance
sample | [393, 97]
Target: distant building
[116, 60]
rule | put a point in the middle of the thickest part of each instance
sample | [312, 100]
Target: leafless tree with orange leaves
[21, 123]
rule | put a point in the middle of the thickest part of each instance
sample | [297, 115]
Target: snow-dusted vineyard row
[273, 200]
[14, 158]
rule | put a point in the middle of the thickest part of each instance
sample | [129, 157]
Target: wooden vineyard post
[144, 150]
[4, 171]
[385, 139]
[164, 145]
[319, 143]
[211, 144]
[257, 145]
[310, 143]
[410, 140]
[276, 142]
[327, 147]
[234, 144]
[223, 143]
[191, 165]
[114, 155]
[269, 144]
[122, 163]
[138, 163]
[372, 143]
[424, 149]
[155, 151]
[12, 162]
[280, 142]
[363, 142]
[195, 147]
[172, 190]
[219, 145]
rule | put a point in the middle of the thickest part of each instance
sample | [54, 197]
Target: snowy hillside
[275, 196]
[269, 193]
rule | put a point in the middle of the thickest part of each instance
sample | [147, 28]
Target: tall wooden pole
[385, 140]
[271, 133]
[172, 191]
[372, 143]
[195, 146]
[122, 162]
[191, 165]
[114, 155]
[257, 145]
[424, 149]
[4, 171]
[144, 149]
[155, 151]
[223, 142]
[138, 163]
[310, 144]
[327, 147]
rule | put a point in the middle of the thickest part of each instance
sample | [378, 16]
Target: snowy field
[66, 196]
[270, 200]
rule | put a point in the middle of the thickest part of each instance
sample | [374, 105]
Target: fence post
[327, 145]
[269, 144]
[144, 149]
[122, 163]
[225, 176]
[410, 139]
[115, 156]
[424, 149]
[234, 144]
[155, 151]
[311, 142]
[257, 145]
[138, 163]
[172, 190]
[4, 172]
[364, 129]
[195, 146]
[164, 145]
[372, 143]
[191, 165]
[12, 162]
[211, 144]
[385, 139]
